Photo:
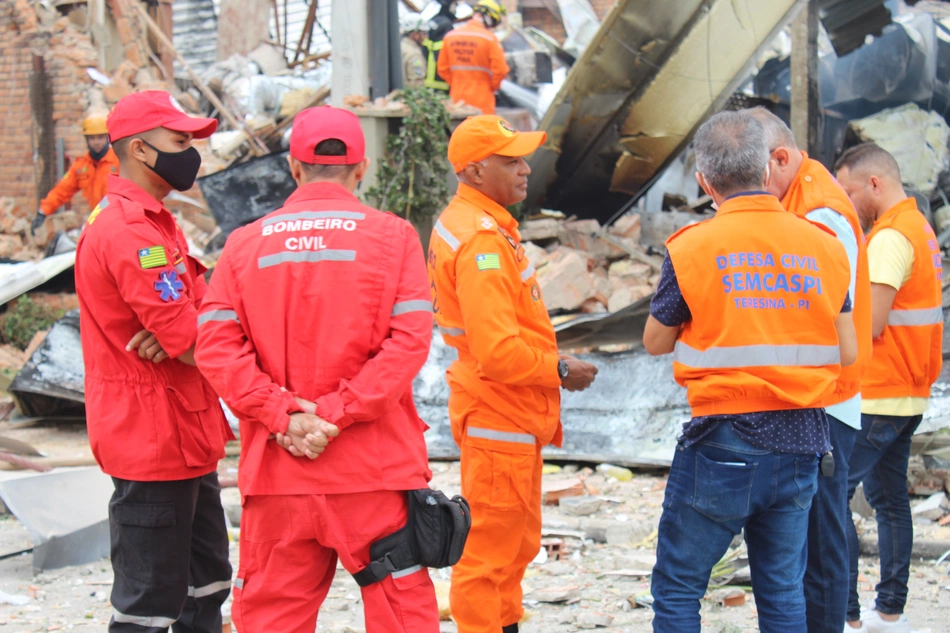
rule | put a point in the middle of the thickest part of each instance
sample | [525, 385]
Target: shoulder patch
[169, 286]
[484, 223]
[488, 261]
[152, 257]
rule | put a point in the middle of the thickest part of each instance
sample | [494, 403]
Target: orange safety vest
[488, 306]
[813, 188]
[764, 289]
[908, 357]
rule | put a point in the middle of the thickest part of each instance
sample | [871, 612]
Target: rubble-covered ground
[599, 581]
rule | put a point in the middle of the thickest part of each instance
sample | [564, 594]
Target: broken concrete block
[588, 620]
[10, 245]
[535, 254]
[579, 506]
[626, 273]
[594, 305]
[553, 491]
[657, 227]
[539, 230]
[556, 594]
[623, 297]
[933, 507]
[627, 226]
[566, 284]
[916, 138]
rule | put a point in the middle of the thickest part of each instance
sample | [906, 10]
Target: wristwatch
[562, 369]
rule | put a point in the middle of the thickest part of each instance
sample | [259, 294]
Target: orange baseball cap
[479, 137]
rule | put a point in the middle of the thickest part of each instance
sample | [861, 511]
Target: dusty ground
[604, 579]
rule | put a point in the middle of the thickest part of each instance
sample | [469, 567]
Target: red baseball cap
[315, 125]
[143, 111]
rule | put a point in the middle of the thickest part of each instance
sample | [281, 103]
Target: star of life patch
[169, 286]
[152, 257]
[488, 261]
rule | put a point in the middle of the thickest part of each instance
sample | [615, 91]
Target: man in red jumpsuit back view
[317, 319]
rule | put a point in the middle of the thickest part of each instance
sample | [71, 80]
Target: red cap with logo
[315, 125]
[143, 111]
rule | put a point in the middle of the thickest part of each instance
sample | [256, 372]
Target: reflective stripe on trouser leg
[210, 581]
[500, 436]
[505, 536]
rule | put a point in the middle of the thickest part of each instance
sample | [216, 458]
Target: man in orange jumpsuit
[88, 174]
[472, 60]
[505, 401]
[319, 315]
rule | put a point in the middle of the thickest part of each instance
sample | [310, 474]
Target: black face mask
[97, 156]
[179, 169]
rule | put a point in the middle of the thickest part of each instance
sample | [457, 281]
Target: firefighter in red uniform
[154, 423]
[317, 319]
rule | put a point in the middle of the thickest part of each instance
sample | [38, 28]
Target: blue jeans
[716, 488]
[879, 460]
[826, 575]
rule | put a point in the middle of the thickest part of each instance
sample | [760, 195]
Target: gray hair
[777, 134]
[731, 152]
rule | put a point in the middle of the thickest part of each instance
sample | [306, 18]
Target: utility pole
[805, 87]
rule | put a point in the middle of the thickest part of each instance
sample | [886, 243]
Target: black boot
[511, 628]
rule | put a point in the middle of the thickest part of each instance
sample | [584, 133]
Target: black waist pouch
[434, 536]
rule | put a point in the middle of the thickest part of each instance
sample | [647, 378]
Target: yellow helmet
[491, 9]
[94, 124]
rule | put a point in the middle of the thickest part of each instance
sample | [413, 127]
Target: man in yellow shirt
[905, 271]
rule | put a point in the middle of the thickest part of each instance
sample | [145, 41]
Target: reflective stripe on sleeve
[527, 272]
[407, 571]
[207, 590]
[419, 305]
[217, 315]
[500, 436]
[315, 215]
[148, 621]
[450, 239]
[757, 356]
[239, 583]
[325, 255]
[923, 316]
[480, 69]
[451, 331]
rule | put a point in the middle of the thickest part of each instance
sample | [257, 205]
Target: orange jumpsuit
[504, 403]
[86, 175]
[473, 63]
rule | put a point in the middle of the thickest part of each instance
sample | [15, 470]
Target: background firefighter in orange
[505, 400]
[88, 174]
[472, 60]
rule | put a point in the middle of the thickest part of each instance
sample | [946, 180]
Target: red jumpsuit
[328, 299]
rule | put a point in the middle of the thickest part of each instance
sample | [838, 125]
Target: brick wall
[551, 24]
[66, 52]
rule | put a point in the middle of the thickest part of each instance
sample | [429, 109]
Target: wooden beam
[307, 32]
[280, 42]
[42, 128]
[805, 87]
[257, 146]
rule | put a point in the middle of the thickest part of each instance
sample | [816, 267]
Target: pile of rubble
[584, 267]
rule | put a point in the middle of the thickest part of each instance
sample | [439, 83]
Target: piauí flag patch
[152, 257]
[488, 261]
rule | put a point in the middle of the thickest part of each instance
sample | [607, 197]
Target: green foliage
[25, 319]
[411, 182]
